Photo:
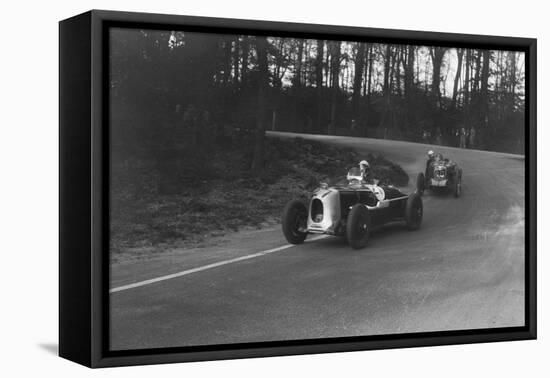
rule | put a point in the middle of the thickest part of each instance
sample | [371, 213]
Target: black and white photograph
[275, 188]
[295, 188]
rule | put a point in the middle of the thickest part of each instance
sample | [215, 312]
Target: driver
[431, 159]
[366, 173]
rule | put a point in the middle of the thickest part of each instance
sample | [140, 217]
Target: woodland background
[196, 91]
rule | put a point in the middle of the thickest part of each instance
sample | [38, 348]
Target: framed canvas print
[234, 188]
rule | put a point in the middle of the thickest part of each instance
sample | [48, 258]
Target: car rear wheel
[414, 212]
[420, 183]
[294, 222]
[358, 226]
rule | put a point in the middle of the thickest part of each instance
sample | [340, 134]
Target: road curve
[463, 269]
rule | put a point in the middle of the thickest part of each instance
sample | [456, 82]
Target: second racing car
[441, 173]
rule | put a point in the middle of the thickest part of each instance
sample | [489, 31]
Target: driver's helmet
[365, 167]
[364, 163]
[431, 154]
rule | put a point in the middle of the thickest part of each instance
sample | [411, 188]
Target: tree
[467, 90]
[263, 83]
[386, 89]
[437, 54]
[335, 78]
[357, 80]
[387, 70]
[459, 54]
[512, 62]
[370, 65]
[409, 71]
[282, 60]
[319, 79]
[296, 84]
[475, 87]
[236, 61]
[244, 66]
[228, 44]
[409, 83]
[484, 97]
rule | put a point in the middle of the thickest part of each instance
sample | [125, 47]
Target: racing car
[351, 209]
[444, 173]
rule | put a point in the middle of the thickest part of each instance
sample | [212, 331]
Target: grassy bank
[184, 197]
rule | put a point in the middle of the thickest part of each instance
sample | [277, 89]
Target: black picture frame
[83, 196]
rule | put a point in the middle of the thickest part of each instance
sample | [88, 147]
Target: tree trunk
[459, 53]
[261, 51]
[279, 61]
[244, 66]
[386, 89]
[370, 57]
[357, 80]
[335, 74]
[370, 67]
[437, 54]
[319, 81]
[387, 66]
[477, 73]
[298, 74]
[484, 93]
[409, 84]
[227, 61]
[409, 72]
[466, 102]
[236, 61]
[512, 80]
[296, 84]
[399, 60]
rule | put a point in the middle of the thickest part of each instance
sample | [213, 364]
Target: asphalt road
[463, 269]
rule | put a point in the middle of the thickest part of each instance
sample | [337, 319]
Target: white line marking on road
[206, 267]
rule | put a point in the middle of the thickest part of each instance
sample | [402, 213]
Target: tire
[420, 183]
[358, 226]
[294, 217]
[414, 212]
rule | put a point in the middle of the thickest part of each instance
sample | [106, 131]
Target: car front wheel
[358, 226]
[294, 222]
